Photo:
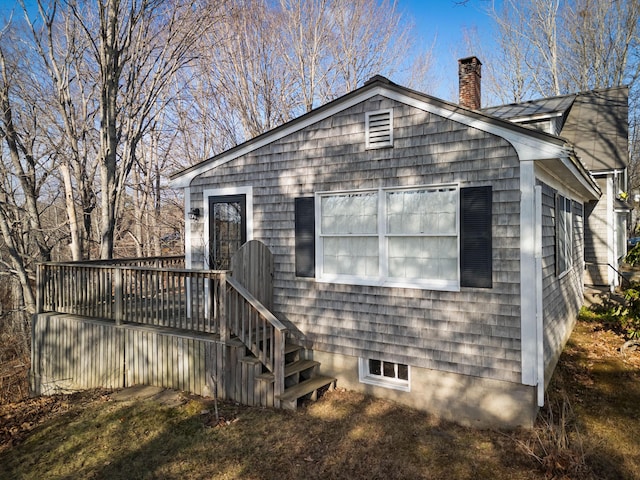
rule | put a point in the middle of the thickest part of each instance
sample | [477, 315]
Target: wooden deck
[151, 321]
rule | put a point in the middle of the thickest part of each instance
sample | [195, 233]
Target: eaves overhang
[572, 173]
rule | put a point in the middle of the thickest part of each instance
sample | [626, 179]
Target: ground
[590, 429]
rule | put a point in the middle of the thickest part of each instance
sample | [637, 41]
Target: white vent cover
[379, 128]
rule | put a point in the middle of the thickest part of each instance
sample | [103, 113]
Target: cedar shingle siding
[596, 246]
[475, 331]
[561, 295]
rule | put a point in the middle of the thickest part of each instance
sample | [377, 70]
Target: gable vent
[379, 128]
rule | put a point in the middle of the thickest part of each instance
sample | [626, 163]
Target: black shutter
[475, 237]
[305, 231]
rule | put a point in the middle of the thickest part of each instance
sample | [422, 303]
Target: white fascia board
[569, 165]
[583, 191]
[527, 147]
[536, 117]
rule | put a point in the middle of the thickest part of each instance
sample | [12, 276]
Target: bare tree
[25, 168]
[602, 43]
[268, 62]
[131, 49]
[573, 45]
[68, 103]
[307, 28]
[369, 38]
[529, 39]
[251, 78]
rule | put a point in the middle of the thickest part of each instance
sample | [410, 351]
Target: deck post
[40, 277]
[278, 366]
[118, 294]
[222, 308]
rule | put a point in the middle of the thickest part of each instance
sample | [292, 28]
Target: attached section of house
[596, 125]
[423, 251]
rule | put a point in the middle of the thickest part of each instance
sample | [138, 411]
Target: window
[379, 129]
[390, 236]
[384, 374]
[564, 235]
[436, 237]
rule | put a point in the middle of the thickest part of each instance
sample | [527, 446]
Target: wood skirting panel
[71, 353]
[68, 354]
[170, 360]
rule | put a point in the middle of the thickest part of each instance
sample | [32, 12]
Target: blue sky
[443, 20]
[446, 20]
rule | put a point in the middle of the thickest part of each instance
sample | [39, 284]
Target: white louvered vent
[379, 128]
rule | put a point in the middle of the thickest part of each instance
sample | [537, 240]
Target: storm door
[227, 229]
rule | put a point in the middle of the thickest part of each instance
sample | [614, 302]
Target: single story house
[426, 252]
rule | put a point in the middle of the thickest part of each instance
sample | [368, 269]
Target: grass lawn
[589, 430]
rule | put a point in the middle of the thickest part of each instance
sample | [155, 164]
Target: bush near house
[622, 311]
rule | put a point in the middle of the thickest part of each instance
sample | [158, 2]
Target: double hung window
[404, 237]
[564, 234]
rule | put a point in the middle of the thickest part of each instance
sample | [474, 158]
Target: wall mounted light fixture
[194, 214]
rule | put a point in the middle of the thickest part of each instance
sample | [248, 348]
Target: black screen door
[227, 229]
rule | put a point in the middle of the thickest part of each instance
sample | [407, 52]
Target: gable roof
[594, 122]
[531, 145]
[542, 108]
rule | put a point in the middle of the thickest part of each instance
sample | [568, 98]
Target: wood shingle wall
[475, 331]
[596, 240]
[561, 294]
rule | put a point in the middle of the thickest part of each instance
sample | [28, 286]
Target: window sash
[564, 234]
[401, 236]
[383, 373]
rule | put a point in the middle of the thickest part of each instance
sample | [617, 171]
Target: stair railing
[257, 328]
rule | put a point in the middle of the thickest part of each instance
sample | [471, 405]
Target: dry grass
[588, 430]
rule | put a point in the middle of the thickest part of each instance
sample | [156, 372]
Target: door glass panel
[227, 229]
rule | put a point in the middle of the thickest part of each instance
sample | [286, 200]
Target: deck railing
[125, 292]
[147, 292]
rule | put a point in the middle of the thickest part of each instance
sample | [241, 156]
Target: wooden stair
[302, 380]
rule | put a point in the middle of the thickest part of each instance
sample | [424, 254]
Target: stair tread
[291, 347]
[295, 367]
[307, 386]
[298, 366]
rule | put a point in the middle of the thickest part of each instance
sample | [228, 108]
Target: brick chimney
[469, 75]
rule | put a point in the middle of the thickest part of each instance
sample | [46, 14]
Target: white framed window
[385, 374]
[379, 129]
[564, 235]
[405, 237]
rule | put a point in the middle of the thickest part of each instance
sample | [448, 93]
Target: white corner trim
[528, 301]
[539, 299]
[611, 227]
[187, 229]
